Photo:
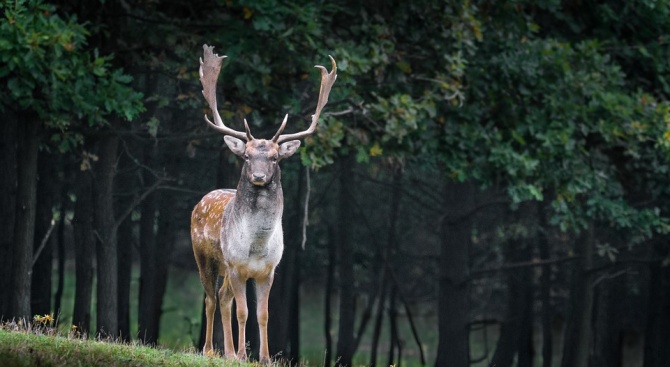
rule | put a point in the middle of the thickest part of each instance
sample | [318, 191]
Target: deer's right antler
[327, 81]
[210, 66]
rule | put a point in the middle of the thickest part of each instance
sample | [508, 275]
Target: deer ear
[287, 149]
[236, 145]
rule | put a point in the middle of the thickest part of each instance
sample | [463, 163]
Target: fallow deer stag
[237, 234]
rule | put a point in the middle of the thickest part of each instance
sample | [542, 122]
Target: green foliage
[47, 70]
[547, 115]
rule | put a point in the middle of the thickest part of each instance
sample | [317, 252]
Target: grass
[20, 347]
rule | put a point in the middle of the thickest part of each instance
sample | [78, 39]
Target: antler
[210, 67]
[327, 81]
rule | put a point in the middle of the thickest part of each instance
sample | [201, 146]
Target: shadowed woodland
[497, 165]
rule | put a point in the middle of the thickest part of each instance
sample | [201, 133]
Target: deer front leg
[225, 304]
[239, 285]
[262, 295]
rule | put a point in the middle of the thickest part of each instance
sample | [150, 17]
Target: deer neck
[259, 207]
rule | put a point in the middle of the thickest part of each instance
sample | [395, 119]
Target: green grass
[20, 347]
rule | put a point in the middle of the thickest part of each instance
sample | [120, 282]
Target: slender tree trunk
[147, 328]
[376, 330]
[107, 306]
[328, 292]
[47, 189]
[578, 334]
[84, 245]
[545, 290]
[125, 263]
[393, 327]
[513, 340]
[385, 255]
[165, 240]
[127, 185]
[294, 323]
[60, 241]
[607, 350]
[8, 179]
[345, 340]
[24, 230]
[525, 350]
[453, 317]
[657, 343]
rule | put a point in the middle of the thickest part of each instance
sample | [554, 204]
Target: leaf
[152, 126]
[375, 150]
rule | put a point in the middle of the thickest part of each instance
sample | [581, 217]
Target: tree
[43, 52]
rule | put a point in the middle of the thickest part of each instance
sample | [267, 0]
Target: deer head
[260, 156]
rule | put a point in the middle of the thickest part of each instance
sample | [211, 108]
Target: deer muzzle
[258, 179]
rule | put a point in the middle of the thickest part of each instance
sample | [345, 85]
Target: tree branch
[44, 242]
[523, 264]
[305, 218]
[137, 202]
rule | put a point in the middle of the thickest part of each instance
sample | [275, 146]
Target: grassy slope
[18, 348]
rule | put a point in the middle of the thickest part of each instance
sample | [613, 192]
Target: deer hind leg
[239, 286]
[208, 280]
[225, 304]
[262, 295]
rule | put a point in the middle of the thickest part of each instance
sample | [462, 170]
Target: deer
[237, 233]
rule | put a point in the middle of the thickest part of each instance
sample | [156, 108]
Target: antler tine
[327, 81]
[248, 132]
[281, 129]
[210, 67]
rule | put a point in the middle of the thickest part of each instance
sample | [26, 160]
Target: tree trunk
[125, 264]
[294, 321]
[385, 255]
[376, 331]
[127, 184]
[525, 350]
[657, 343]
[147, 327]
[345, 340]
[24, 230]
[84, 245]
[453, 317]
[107, 306]
[165, 240]
[578, 334]
[393, 327]
[47, 190]
[328, 292]
[60, 241]
[545, 290]
[607, 350]
[8, 152]
[513, 337]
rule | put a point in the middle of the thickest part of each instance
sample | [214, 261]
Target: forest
[497, 168]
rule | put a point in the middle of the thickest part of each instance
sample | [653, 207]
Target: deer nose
[258, 176]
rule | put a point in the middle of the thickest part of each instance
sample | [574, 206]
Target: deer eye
[246, 157]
